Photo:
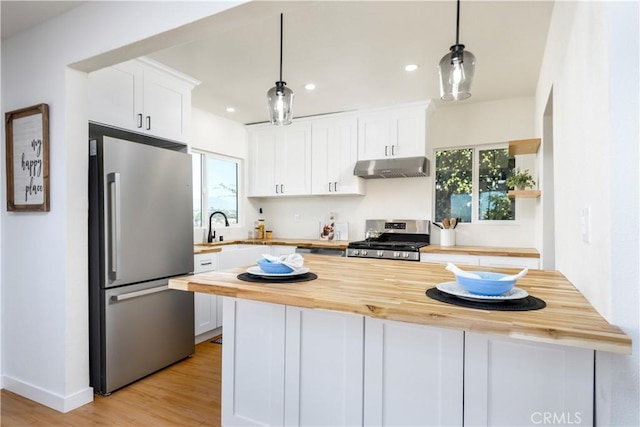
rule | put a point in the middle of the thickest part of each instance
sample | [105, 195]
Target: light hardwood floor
[184, 394]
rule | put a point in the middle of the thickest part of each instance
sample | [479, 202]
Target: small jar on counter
[269, 234]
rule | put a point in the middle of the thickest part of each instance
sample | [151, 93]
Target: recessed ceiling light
[309, 86]
[230, 109]
[411, 67]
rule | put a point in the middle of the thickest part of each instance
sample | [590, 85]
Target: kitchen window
[215, 188]
[471, 184]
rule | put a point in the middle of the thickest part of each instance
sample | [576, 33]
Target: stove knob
[406, 254]
[381, 253]
[396, 254]
[355, 252]
[364, 252]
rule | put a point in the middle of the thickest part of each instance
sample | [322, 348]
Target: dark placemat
[522, 304]
[247, 277]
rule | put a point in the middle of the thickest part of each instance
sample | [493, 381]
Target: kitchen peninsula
[362, 344]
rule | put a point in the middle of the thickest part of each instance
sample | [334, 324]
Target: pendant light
[456, 70]
[280, 97]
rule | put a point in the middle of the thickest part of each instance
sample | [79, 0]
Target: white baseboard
[47, 398]
[208, 335]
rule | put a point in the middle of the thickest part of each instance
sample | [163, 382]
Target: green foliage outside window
[455, 184]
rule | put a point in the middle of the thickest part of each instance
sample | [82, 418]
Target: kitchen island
[362, 344]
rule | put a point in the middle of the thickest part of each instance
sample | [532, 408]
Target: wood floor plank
[185, 394]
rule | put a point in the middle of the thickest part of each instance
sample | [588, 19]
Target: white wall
[591, 62]
[44, 255]
[412, 198]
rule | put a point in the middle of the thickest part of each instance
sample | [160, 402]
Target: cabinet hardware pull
[385, 150]
[140, 121]
[113, 182]
[335, 186]
[206, 263]
[393, 150]
[277, 189]
[329, 187]
[148, 122]
[281, 188]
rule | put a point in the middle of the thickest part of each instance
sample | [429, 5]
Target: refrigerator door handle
[113, 181]
[136, 294]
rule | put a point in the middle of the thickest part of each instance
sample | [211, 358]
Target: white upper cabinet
[142, 96]
[334, 151]
[280, 159]
[393, 132]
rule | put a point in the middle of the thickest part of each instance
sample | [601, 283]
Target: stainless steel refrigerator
[140, 235]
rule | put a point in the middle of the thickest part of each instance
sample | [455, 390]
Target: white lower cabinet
[484, 261]
[285, 365]
[412, 375]
[323, 368]
[313, 379]
[279, 250]
[207, 313]
[509, 382]
[253, 363]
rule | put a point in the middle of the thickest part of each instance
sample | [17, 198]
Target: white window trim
[239, 191]
[475, 183]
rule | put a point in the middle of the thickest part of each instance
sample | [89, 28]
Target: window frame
[475, 183]
[204, 207]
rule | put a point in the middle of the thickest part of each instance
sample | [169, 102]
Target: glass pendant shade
[456, 74]
[280, 104]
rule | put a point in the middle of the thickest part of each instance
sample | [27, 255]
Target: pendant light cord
[281, 24]
[457, 23]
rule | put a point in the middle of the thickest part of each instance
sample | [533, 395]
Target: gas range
[399, 239]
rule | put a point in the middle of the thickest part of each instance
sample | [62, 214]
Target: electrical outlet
[296, 217]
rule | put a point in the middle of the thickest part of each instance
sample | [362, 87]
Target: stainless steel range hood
[392, 168]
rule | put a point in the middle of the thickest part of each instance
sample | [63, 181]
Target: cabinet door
[413, 375]
[501, 261]
[445, 258]
[206, 314]
[343, 149]
[293, 161]
[167, 106]
[334, 155]
[516, 383]
[321, 133]
[115, 95]
[263, 154]
[374, 130]
[253, 363]
[277, 250]
[323, 370]
[408, 132]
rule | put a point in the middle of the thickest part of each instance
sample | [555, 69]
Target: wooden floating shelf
[532, 194]
[524, 146]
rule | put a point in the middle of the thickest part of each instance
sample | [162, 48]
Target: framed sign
[27, 134]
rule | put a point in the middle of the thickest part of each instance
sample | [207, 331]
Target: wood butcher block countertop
[395, 290]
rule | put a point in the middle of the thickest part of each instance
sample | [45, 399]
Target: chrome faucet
[212, 233]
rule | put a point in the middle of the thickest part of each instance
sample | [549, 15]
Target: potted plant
[520, 179]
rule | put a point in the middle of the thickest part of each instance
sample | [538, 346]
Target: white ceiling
[355, 52]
